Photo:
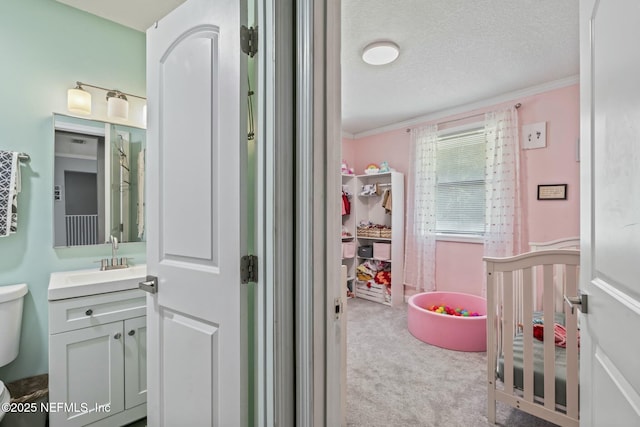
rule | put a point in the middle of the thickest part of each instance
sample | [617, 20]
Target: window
[460, 183]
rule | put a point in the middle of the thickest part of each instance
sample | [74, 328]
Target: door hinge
[249, 269]
[338, 307]
[249, 40]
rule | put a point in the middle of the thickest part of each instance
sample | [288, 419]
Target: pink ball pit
[452, 332]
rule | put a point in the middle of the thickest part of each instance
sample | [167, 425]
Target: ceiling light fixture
[79, 101]
[380, 53]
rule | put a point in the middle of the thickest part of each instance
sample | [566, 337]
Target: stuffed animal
[345, 169]
[384, 167]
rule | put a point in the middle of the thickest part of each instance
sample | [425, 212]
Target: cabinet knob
[88, 312]
[132, 332]
[117, 336]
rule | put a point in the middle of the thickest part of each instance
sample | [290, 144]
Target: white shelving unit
[369, 208]
[349, 223]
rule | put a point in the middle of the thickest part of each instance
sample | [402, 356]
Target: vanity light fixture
[117, 105]
[79, 101]
[380, 53]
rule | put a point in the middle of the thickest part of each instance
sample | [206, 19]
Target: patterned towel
[9, 188]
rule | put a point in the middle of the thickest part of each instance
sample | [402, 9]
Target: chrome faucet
[114, 248]
[114, 262]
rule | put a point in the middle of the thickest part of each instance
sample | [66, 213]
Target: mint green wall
[45, 47]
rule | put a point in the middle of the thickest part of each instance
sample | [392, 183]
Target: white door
[197, 136]
[610, 225]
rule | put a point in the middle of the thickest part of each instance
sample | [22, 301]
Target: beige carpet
[393, 379]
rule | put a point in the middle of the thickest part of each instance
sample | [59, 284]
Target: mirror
[98, 182]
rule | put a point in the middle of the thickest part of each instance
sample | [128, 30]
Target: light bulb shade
[79, 101]
[144, 115]
[117, 108]
[380, 53]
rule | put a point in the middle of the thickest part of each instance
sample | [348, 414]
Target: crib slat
[492, 355]
[517, 300]
[571, 274]
[549, 338]
[509, 331]
[528, 300]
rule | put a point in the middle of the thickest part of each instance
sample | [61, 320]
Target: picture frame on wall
[534, 135]
[552, 192]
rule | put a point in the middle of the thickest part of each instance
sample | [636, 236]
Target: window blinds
[460, 189]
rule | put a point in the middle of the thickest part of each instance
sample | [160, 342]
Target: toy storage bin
[372, 291]
[348, 249]
[365, 251]
[382, 251]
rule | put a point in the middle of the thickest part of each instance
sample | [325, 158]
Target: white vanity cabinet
[97, 359]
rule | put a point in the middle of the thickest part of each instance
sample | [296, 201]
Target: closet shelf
[374, 259]
[382, 239]
[347, 238]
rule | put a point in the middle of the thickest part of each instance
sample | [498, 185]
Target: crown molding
[509, 96]
[348, 135]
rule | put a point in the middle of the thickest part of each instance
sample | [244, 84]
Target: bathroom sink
[71, 284]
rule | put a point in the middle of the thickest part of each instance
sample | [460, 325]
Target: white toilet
[11, 300]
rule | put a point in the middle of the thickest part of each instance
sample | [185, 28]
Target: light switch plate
[534, 135]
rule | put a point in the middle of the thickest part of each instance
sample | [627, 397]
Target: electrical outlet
[534, 135]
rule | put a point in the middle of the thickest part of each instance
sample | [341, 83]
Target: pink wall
[555, 164]
[459, 266]
[392, 147]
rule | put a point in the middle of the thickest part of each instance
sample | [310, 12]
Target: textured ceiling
[453, 52]
[136, 14]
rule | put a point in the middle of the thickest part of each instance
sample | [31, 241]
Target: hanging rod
[516, 106]
[24, 157]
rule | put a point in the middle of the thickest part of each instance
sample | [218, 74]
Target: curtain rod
[24, 157]
[516, 106]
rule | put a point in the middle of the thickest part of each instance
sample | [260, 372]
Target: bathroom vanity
[97, 347]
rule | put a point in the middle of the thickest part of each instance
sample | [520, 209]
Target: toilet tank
[11, 301]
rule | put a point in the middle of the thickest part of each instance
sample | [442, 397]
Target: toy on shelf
[368, 190]
[345, 169]
[384, 167]
[371, 169]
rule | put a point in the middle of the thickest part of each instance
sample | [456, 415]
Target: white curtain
[420, 248]
[503, 228]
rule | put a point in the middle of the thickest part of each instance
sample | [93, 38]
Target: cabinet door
[135, 361]
[86, 375]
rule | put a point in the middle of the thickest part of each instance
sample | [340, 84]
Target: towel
[140, 193]
[9, 189]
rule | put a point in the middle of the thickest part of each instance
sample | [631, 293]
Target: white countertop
[78, 283]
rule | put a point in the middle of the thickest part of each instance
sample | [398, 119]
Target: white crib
[535, 376]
